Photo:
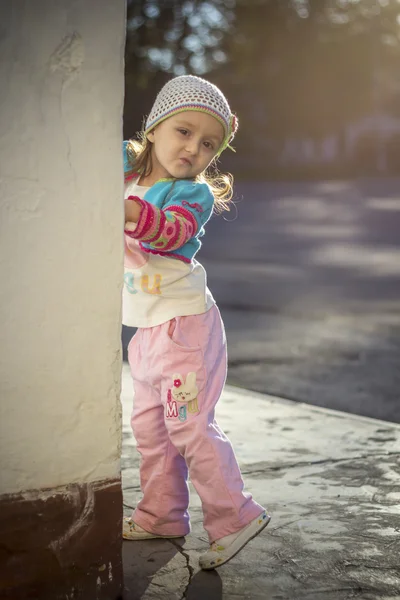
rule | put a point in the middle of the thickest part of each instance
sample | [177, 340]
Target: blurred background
[306, 265]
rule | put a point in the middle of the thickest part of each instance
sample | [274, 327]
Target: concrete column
[61, 222]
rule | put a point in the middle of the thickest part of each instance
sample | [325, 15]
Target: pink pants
[179, 370]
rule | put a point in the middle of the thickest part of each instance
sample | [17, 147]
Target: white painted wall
[61, 221]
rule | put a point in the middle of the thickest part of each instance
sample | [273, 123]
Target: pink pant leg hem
[140, 520]
[251, 514]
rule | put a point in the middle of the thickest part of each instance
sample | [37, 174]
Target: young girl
[178, 355]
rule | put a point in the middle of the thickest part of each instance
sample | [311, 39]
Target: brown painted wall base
[62, 543]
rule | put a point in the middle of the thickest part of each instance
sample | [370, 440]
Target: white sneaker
[227, 547]
[132, 531]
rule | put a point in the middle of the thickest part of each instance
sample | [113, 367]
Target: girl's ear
[150, 136]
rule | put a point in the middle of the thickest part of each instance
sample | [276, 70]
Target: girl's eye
[183, 131]
[208, 145]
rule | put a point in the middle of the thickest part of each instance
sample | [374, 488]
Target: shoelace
[214, 546]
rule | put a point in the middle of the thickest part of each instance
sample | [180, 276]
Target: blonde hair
[139, 155]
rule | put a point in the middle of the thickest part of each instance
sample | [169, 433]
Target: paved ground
[307, 276]
[341, 361]
[332, 483]
[308, 280]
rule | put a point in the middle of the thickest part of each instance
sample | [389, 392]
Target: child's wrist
[133, 209]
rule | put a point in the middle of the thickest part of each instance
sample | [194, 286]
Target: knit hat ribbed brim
[188, 92]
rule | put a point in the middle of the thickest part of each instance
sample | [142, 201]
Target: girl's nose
[192, 146]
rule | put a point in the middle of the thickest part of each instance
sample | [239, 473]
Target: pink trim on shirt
[129, 177]
[167, 254]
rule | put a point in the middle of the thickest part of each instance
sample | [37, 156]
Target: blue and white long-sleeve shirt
[162, 279]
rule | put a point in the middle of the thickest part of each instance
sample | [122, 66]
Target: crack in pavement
[188, 565]
[363, 565]
[324, 461]
[351, 588]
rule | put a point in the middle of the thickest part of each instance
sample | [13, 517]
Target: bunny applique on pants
[179, 370]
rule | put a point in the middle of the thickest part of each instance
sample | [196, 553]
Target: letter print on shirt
[156, 289]
[129, 280]
[184, 392]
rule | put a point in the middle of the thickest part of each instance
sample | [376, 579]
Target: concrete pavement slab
[331, 481]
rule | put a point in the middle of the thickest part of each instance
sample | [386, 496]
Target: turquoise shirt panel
[194, 197]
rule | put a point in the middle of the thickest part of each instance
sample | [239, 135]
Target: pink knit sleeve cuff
[149, 222]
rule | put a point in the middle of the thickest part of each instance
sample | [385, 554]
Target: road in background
[307, 277]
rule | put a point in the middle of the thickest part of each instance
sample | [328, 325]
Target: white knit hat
[188, 92]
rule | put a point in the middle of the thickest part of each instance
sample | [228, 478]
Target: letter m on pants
[172, 410]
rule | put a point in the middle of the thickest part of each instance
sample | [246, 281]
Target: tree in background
[171, 37]
[177, 37]
[292, 69]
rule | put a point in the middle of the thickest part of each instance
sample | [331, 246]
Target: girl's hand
[133, 209]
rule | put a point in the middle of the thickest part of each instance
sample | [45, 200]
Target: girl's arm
[169, 228]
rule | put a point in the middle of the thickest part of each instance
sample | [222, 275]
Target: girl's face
[184, 145]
